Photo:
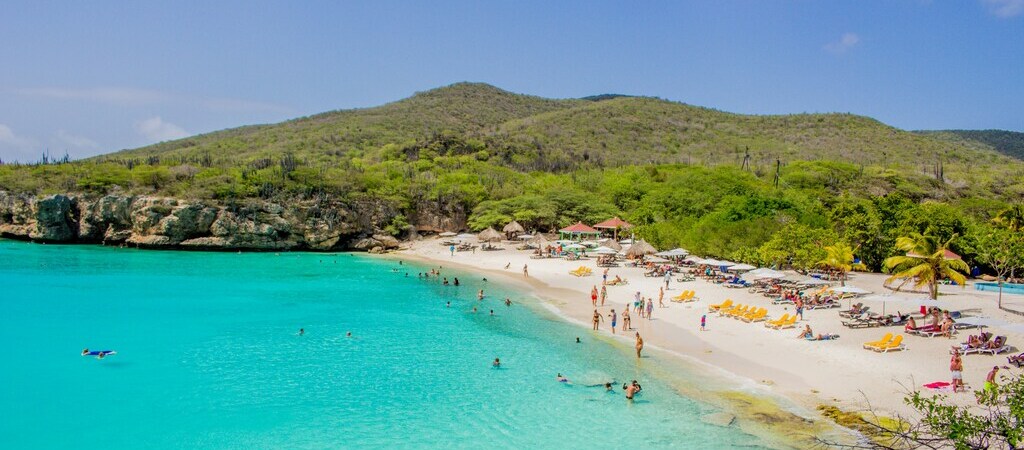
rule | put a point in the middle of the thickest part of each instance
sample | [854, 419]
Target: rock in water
[54, 219]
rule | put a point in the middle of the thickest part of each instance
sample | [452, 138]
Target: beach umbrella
[850, 290]
[490, 235]
[770, 275]
[981, 322]
[694, 259]
[726, 263]
[466, 236]
[513, 227]
[524, 237]
[640, 248]
[1013, 327]
[539, 239]
[446, 234]
[612, 244]
[893, 300]
[741, 268]
[664, 253]
[656, 260]
[681, 251]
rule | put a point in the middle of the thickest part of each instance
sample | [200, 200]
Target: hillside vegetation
[752, 188]
[1010, 143]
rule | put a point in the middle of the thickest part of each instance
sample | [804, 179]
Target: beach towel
[940, 386]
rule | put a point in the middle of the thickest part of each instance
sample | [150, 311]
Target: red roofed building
[578, 229]
[614, 224]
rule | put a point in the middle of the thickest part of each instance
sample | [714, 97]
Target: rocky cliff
[160, 222]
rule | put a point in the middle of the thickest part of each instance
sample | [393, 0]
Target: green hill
[471, 155]
[1010, 143]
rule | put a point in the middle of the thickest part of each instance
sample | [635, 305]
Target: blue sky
[94, 77]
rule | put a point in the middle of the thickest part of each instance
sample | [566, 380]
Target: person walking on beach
[668, 276]
[604, 294]
[640, 307]
[451, 248]
[625, 320]
[661, 298]
[604, 277]
[636, 302]
[597, 319]
[990, 381]
[526, 273]
[650, 307]
[703, 321]
[614, 317]
[956, 369]
[799, 307]
[593, 295]
[639, 344]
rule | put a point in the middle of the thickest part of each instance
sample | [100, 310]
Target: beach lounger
[778, 321]
[858, 310]
[884, 340]
[788, 323]
[1016, 360]
[861, 323]
[998, 346]
[739, 309]
[760, 315]
[896, 344]
[726, 304]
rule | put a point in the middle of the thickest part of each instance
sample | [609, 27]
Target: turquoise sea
[208, 356]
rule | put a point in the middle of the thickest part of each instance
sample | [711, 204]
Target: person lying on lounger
[810, 336]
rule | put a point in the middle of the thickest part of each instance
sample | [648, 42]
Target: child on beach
[703, 321]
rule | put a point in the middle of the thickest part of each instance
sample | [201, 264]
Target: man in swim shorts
[614, 317]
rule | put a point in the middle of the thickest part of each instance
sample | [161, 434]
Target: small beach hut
[578, 231]
[640, 248]
[512, 229]
[489, 235]
[539, 240]
[615, 224]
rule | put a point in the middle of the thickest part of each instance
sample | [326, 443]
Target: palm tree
[1011, 218]
[927, 260]
[839, 257]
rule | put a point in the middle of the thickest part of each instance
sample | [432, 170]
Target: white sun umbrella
[726, 264]
[524, 237]
[850, 290]
[1013, 327]
[694, 259]
[896, 300]
[741, 268]
[446, 234]
[605, 251]
[771, 275]
[664, 253]
[656, 260]
[680, 251]
[981, 322]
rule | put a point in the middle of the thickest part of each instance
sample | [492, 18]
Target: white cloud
[845, 42]
[9, 139]
[128, 96]
[1004, 9]
[112, 95]
[156, 130]
[75, 141]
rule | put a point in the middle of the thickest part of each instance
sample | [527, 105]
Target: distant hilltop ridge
[535, 133]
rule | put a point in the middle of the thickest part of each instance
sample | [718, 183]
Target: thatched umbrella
[513, 229]
[539, 240]
[612, 244]
[640, 248]
[489, 235]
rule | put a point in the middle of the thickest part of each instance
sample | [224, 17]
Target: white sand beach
[838, 372]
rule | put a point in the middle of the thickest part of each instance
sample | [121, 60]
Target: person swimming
[348, 334]
[302, 331]
[508, 301]
[448, 305]
[561, 379]
[497, 363]
[456, 281]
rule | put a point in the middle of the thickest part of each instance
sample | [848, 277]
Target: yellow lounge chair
[789, 323]
[739, 310]
[727, 303]
[778, 321]
[758, 316]
[682, 296]
[750, 312]
[895, 344]
[727, 311]
[884, 340]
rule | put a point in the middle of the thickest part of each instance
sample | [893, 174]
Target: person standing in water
[480, 295]
[614, 317]
[593, 295]
[508, 301]
[302, 331]
[597, 319]
[496, 364]
[456, 281]
[639, 344]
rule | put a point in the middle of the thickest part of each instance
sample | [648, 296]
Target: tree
[1003, 251]
[839, 257]
[926, 262]
[997, 422]
[1011, 218]
[796, 245]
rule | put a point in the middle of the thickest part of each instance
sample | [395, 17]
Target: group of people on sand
[936, 320]
[595, 295]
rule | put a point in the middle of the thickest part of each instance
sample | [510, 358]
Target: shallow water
[208, 357]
